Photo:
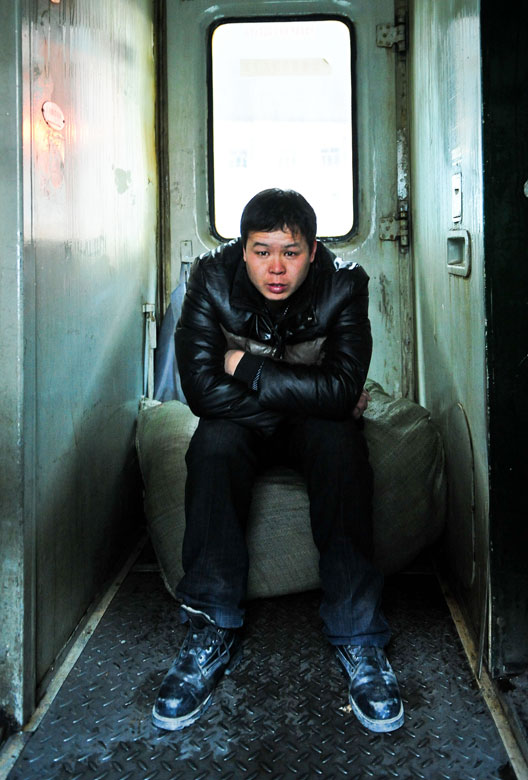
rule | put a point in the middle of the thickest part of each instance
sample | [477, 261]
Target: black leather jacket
[313, 360]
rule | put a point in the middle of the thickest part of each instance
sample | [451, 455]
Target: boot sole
[176, 724]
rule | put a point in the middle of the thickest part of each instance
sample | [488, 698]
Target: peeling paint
[385, 305]
[123, 180]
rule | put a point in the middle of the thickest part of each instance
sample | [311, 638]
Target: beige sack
[407, 457]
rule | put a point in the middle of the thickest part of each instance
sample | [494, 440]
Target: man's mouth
[276, 288]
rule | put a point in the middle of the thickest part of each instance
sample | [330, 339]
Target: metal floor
[281, 714]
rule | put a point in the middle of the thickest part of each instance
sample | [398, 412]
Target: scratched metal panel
[14, 574]
[283, 713]
[187, 29]
[446, 138]
[91, 224]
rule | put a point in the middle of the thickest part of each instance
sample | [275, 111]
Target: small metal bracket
[149, 310]
[389, 35]
[186, 251]
[390, 229]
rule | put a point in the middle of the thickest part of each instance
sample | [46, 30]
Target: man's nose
[276, 265]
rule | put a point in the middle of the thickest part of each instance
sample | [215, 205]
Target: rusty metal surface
[283, 711]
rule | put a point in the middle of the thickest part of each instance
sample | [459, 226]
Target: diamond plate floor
[283, 711]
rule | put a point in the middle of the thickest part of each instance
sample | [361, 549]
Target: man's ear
[314, 250]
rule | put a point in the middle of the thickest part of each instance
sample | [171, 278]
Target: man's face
[278, 262]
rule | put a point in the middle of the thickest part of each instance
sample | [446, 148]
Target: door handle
[459, 252]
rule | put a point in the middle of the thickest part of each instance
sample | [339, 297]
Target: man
[273, 347]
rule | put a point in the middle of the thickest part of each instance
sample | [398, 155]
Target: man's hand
[362, 404]
[231, 360]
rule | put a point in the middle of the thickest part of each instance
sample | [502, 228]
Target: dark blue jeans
[222, 461]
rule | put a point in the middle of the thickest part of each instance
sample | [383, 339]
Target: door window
[281, 98]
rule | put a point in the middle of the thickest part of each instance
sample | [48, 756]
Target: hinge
[396, 228]
[389, 35]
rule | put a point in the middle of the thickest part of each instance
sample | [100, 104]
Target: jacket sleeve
[200, 349]
[331, 388]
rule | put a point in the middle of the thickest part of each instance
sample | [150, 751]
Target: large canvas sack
[407, 457]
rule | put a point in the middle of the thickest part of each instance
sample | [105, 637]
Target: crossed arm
[233, 357]
[332, 388]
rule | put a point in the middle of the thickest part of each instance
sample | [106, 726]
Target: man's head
[278, 230]
[276, 209]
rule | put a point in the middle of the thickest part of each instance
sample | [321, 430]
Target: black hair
[276, 209]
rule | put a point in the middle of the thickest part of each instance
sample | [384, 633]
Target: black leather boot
[206, 654]
[374, 694]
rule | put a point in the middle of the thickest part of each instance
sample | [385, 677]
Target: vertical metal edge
[405, 258]
[162, 157]
[17, 531]
[504, 66]
[29, 389]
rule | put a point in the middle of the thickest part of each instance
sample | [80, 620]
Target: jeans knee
[335, 437]
[220, 440]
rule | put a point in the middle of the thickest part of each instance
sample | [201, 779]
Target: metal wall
[469, 129]
[446, 154]
[80, 261]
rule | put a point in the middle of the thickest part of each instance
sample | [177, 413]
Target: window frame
[210, 117]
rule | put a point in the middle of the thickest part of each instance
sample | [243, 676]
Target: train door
[273, 50]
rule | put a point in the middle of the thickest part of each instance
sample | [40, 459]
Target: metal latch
[396, 229]
[389, 35]
[149, 310]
